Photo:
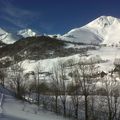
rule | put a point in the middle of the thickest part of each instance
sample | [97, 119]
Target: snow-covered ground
[76, 46]
[108, 54]
[17, 110]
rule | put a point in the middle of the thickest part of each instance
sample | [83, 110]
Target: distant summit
[9, 38]
[26, 33]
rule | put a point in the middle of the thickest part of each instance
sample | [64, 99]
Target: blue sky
[53, 16]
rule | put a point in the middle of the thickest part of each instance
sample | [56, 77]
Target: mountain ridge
[103, 30]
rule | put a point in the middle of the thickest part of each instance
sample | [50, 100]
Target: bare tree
[63, 85]
[55, 86]
[3, 74]
[41, 86]
[75, 95]
[87, 75]
[17, 81]
[74, 87]
[60, 84]
[37, 82]
[111, 98]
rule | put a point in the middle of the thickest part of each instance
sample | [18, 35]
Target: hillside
[41, 47]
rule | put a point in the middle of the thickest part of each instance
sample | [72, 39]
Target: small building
[102, 74]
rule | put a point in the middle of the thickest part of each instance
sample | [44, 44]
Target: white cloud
[23, 18]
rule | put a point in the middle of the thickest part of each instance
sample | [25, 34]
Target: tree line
[72, 89]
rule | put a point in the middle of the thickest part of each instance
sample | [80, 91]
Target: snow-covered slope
[104, 30]
[26, 33]
[82, 35]
[24, 111]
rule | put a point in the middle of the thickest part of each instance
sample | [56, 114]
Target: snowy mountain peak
[103, 30]
[26, 33]
[10, 38]
[103, 21]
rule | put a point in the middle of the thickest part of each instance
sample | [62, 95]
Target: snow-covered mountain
[26, 33]
[6, 37]
[10, 38]
[104, 30]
